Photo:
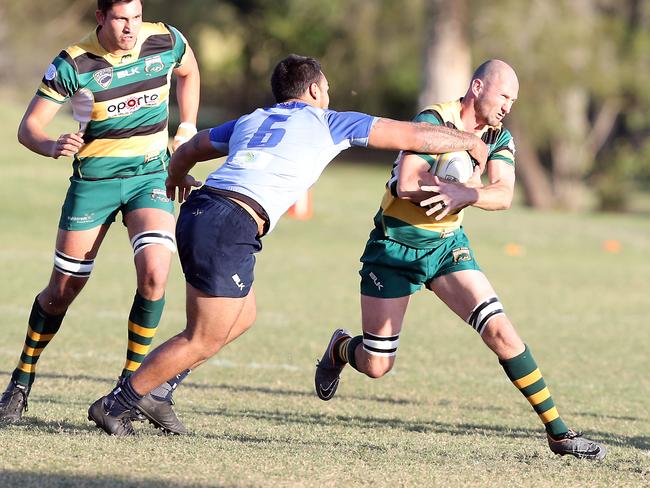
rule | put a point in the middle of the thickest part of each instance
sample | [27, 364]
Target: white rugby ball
[453, 166]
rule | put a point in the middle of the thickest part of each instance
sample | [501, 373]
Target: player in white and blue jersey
[274, 155]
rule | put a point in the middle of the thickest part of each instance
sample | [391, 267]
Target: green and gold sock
[40, 331]
[143, 321]
[344, 350]
[526, 376]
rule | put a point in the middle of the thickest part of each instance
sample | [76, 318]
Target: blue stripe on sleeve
[354, 126]
[220, 136]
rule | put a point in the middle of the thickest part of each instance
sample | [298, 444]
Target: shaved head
[492, 91]
[493, 70]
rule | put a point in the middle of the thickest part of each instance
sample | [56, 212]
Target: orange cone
[612, 245]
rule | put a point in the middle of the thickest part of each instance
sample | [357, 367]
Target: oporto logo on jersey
[129, 104]
[104, 77]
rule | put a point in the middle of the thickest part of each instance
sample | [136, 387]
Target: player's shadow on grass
[110, 382]
[297, 393]
[50, 426]
[22, 478]
[70, 377]
[421, 426]
[638, 442]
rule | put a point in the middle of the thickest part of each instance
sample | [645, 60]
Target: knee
[377, 366]
[501, 336]
[57, 297]
[377, 354]
[152, 281]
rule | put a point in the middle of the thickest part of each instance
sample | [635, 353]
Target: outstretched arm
[425, 138]
[198, 148]
[31, 132]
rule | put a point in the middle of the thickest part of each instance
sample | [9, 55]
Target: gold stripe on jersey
[47, 91]
[410, 212]
[91, 44]
[450, 113]
[125, 148]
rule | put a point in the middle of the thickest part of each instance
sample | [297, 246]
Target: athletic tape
[380, 345]
[483, 312]
[151, 237]
[67, 265]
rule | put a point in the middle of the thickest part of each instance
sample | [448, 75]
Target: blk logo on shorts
[376, 281]
[238, 281]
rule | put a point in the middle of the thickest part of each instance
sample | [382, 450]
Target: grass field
[446, 416]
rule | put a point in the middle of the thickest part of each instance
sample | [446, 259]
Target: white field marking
[224, 363]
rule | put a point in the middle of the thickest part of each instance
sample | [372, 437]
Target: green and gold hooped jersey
[127, 133]
[406, 222]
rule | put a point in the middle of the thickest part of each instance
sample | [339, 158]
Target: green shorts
[90, 203]
[392, 270]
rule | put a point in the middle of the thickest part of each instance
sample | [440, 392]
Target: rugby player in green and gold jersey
[418, 240]
[120, 159]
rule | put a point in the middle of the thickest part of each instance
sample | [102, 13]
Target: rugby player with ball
[418, 240]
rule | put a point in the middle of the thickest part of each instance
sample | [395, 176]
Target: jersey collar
[293, 104]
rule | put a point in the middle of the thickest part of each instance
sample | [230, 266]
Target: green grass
[446, 416]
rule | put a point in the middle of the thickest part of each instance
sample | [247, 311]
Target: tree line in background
[581, 124]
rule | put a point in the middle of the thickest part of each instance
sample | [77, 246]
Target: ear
[100, 17]
[314, 91]
[477, 86]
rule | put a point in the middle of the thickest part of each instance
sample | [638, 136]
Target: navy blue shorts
[217, 241]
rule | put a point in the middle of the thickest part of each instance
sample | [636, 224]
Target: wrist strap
[185, 131]
[187, 125]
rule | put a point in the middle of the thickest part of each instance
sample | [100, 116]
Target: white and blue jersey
[275, 154]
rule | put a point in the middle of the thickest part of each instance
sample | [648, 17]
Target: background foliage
[582, 119]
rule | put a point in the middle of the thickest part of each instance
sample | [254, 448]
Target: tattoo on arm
[439, 136]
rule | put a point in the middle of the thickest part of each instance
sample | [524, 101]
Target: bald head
[494, 70]
[492, 91]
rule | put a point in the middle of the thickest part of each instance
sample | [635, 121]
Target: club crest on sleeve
[50, 74]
